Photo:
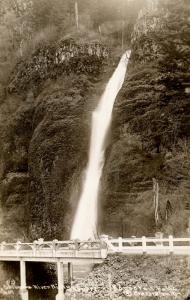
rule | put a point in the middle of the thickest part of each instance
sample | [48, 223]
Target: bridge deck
[89, 257]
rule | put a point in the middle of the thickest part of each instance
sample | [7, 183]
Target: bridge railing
[149, 245]
[97, 248]
[40, 248]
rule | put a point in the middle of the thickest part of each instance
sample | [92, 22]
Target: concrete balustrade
[147, 245]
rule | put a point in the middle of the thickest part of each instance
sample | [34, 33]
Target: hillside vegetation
[150, 129]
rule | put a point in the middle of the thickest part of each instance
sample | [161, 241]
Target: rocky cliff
[150, 129]
[45, 137]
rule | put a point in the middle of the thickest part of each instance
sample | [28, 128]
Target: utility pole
[122, 36]
[77, 15]
[123, 24]
[156, 194]
[100, 31]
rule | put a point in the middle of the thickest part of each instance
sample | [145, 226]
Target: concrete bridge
[58, 252]
[85, 252]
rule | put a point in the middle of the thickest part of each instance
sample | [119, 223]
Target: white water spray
[85, 222]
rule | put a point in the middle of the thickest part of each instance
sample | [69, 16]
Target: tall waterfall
[85, 222]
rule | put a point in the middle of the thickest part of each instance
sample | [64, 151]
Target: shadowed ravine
[85, 222]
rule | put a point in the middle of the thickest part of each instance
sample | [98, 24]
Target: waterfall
[85, 222]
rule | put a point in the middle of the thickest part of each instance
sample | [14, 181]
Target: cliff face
[57, 154]
[45, 139]
[150, 130]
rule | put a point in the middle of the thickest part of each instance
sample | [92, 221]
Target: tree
[159, 109]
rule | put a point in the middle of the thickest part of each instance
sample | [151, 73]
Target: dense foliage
[26, 24]
[150, 131]
[157, 104]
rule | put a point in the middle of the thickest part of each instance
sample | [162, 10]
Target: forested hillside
[150, 131]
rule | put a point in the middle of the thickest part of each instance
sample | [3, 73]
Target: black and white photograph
[94, 149]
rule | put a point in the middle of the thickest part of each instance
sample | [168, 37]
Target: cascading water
[85, 222]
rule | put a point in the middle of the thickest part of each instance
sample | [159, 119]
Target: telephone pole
[77, 15]
[125, 3]
[156, 199]
[122, 37]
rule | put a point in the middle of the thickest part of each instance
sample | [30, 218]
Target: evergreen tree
[155, 103]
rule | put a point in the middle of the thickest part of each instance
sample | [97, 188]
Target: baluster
[171, 244]
[76, 248]
[54, 247]
[3, 246]
[18, 247]
[120, 241]
[34, 247]
[144, 245]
